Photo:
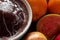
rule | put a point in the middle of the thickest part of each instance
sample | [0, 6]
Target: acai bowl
[15, 19]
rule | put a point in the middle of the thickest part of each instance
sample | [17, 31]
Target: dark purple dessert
[13, 17]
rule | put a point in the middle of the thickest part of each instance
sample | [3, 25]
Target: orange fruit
[54, 6]
[39, 8]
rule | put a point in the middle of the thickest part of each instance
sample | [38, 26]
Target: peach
[36, 36]
[49, 25]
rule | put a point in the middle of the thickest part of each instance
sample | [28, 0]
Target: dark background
[31, 29]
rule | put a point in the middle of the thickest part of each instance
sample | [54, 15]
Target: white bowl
[28, 24]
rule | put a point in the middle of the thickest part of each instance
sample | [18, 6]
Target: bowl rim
[29, 21]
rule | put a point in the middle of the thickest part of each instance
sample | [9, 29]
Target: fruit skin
[49, 25]
[35, 36]
[54, 6]
[39, 8]
[58, 37]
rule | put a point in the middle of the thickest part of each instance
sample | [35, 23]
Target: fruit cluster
[46, 15]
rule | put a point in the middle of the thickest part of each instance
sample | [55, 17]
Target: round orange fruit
[54, 6]
[39, 8]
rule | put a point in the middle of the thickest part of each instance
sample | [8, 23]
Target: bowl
[19, 36]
